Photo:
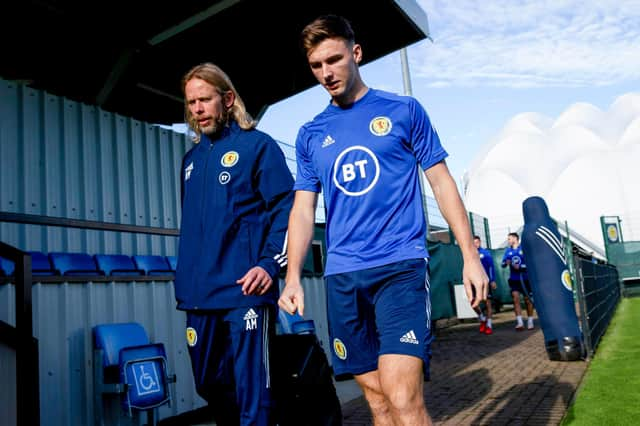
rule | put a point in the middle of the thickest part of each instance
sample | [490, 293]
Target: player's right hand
[292, 297]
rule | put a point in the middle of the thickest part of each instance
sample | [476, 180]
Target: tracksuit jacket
[236, 196]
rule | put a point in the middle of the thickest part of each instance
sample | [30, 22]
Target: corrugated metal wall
[66, 159]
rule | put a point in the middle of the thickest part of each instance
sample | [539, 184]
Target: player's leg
[378, 404]
[528, 297]
[252, 329]
[514, 285]
[489, 325]
[403, 318]
[482, 319]
[401, 378]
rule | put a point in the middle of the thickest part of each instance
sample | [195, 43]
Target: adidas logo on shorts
[409, 337]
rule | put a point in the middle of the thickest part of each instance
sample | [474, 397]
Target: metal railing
[598, 294]
[20, 338]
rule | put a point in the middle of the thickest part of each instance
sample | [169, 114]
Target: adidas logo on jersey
[409, 337]
[328, 141]
[251, 320]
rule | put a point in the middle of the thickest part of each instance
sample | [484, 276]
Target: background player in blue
[236, 197]
[363, 152]
[518, 280]
[486, 326]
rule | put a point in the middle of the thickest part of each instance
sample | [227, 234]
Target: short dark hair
[476, 237]
[514, 234]
[324, 27]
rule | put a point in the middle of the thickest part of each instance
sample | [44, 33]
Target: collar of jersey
[360, 101]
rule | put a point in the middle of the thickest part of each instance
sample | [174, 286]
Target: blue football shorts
[378, 311]
[522, 286]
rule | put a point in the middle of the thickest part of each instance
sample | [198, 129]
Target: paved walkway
[502, 379]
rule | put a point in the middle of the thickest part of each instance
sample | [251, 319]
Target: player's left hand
[255, 282]
[474, 276]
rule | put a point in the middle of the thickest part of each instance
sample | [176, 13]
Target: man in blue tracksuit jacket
[236, 196]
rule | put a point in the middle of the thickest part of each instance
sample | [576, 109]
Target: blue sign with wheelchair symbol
[146, 378]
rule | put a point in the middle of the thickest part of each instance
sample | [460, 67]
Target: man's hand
[292, 297]
[475, 278]
[255, 282]
[494, 285]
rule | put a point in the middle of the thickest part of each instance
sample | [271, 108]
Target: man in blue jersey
[236, 198]
[518, 280]
[363, 152]
[486, 326]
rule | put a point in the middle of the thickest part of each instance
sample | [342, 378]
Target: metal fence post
[487, 234]
[584, 319]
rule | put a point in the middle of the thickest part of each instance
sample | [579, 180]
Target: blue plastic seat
[153, 265]
[128, 364]
[116, 264]
[6, 267]
[173, 262]
[143, 372]
[41, 265]
[74, 264]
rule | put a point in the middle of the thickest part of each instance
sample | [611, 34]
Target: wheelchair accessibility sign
[146, 378]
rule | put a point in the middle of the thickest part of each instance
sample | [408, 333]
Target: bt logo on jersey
[349, 170]
[356, 171]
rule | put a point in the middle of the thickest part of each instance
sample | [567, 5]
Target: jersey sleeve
[306, 177]
[505, 257]
[424, 138]
[274, 182]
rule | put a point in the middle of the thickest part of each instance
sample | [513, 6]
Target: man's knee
[401, 382]
[403, 396]
[370, 385]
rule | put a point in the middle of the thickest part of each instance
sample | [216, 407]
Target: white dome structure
[585, 164]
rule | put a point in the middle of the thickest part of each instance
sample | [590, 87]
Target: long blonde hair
[214, 75]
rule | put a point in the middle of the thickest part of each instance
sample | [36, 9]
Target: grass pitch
[610, 390]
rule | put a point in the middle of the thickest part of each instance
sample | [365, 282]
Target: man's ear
[357, 53]
[228, 98]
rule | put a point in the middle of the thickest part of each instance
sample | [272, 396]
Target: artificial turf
[610, 391]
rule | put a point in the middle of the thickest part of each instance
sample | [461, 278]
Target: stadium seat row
[83, 264]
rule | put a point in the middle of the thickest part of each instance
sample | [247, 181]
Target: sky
[494, 59]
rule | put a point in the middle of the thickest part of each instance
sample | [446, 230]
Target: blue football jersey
[516, 256]
[364, 158]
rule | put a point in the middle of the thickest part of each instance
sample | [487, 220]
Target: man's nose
[327, 73]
